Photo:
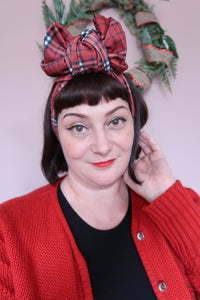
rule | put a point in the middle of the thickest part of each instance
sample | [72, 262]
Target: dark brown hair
[88, 89]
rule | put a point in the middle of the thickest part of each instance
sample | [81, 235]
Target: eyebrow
[86, 117]
[114, 110]
[75, 114]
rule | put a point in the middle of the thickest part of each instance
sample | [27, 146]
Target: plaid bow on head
[95, 50]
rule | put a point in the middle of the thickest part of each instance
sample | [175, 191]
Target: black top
[115, 268]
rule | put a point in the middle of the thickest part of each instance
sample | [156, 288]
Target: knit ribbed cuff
[177, 214]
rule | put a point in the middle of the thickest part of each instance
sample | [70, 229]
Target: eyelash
[117, 119]
[74, 127]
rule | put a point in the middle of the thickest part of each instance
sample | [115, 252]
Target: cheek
[73, 150]
[126, 140]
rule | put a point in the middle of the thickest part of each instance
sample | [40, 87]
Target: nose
[101, 143]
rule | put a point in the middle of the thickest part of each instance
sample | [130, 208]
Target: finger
[149, 141]
[145, 145]
[145, 148]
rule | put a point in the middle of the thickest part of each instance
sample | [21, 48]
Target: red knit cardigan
[39, 258]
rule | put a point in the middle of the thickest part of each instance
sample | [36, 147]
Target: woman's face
[96, 141]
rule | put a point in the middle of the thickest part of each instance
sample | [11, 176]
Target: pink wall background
[174, 118]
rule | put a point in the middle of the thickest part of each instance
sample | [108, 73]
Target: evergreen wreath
[159, 49]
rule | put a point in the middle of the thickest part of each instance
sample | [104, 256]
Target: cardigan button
[140, 236]
[162, 286]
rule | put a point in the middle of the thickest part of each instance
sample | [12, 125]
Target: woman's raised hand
[151, 169]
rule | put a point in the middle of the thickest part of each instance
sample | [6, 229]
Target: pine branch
[173, 66]
[112, 3]
[128, 18]
[140, 5]
[47, 14]
[40, 48]
[76, 13]
[163, 71]
[60, 9]
[86, 3]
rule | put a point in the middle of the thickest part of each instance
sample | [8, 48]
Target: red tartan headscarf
[100, 50]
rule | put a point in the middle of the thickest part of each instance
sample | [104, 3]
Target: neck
[103, 207]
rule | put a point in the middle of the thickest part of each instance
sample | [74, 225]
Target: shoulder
[31, 217]
[30, 203]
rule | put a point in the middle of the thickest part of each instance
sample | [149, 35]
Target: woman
[117, 225]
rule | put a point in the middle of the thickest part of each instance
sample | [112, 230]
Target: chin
[106, 180]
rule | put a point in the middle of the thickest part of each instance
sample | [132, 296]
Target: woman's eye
[78, 128]
[117, 122]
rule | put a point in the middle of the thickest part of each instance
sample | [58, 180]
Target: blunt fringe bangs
[88, 89]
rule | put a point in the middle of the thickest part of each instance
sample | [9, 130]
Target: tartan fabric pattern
[102, 49]
[96, 48]
[47, 40]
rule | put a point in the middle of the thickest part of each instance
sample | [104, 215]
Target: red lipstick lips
[104, 164]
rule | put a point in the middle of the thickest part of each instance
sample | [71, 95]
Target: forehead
[102, 107]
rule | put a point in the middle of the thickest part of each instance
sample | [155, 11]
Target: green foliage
[40, 48]
[47, 14]
[119, 3]
[78, 12]
[61, 12]
[112, 3]
[147, 67]
[169, 45]
[140, 5]
[128, 19]
[151, 34]
[163, 71]
[173, 66]
[129, 14]
[154, 35]
[159, 68]
[86, 3]
[138, 87]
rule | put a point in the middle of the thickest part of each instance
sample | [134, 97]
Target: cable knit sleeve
[6, 285]
[177, 215]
